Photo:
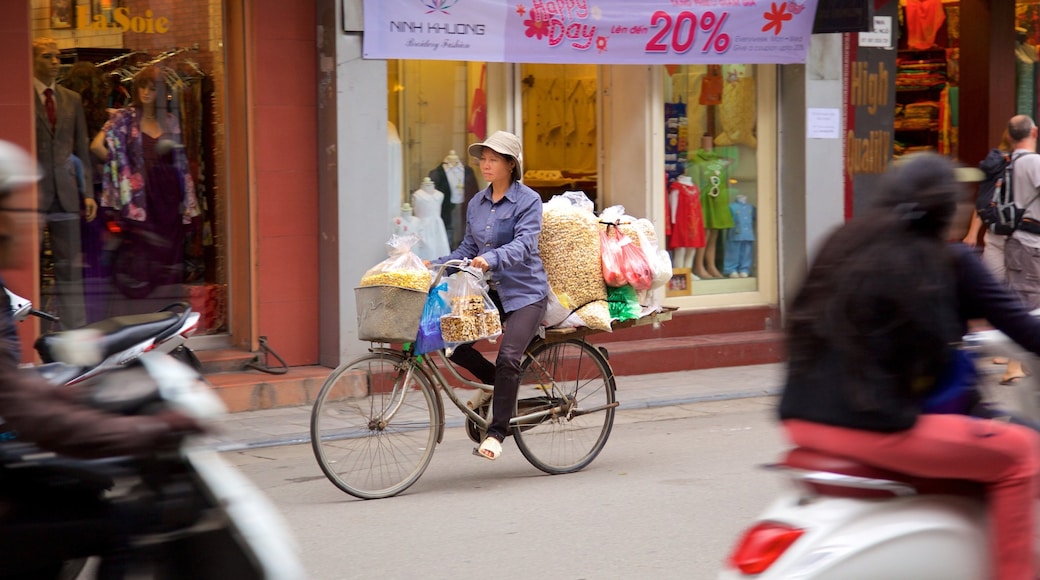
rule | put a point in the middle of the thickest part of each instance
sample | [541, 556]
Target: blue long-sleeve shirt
[506, 234]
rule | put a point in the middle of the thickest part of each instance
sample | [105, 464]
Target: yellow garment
[737, 111]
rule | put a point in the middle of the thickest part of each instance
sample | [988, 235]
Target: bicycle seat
[117, 334]
[811, 460]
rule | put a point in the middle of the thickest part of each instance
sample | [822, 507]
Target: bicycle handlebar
[449, 264]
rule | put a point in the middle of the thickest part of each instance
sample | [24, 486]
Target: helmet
[17, 167]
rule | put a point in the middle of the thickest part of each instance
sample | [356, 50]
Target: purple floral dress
[125, 179]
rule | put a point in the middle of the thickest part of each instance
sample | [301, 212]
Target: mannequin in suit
[61, 198]
[459, 184]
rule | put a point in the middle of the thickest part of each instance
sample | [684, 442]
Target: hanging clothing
[924, 18]
[123, 187]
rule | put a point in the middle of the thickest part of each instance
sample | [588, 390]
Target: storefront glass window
[560, 128]
[151, 78]
[436, 109]
[711, 152]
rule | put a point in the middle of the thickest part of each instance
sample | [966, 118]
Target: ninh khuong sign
[590, 32]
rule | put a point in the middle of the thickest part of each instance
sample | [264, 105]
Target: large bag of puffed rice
[570, 249]
[403, 269]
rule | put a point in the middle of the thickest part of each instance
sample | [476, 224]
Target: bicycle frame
[432, 372]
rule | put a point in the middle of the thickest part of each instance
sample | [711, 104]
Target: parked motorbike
[189, 514]
[844, 520]
[113, 342]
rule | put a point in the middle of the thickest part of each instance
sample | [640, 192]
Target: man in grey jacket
[61, 134]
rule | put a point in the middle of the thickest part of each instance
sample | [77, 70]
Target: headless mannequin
[704, 261]
[682, 257]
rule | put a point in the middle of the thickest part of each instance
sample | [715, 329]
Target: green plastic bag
[623, 303]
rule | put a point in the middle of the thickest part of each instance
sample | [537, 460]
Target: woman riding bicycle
[503, 223]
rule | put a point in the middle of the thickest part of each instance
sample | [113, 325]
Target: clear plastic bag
[403, 269]
[437, 305]
[473, 315]
[634, 265]
[610, 255]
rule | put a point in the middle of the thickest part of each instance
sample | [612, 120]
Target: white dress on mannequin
[426, 210]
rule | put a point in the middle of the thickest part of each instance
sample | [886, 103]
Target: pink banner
[591, 31]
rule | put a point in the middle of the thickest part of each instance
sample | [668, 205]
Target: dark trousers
[518, 329]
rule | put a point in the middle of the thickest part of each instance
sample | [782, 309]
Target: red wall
[16, 125]
[284, 68]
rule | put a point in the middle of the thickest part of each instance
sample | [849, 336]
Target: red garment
[1004, 457]
[923, 19]
[687, 225]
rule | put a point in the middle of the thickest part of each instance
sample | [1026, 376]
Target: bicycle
[377, 419]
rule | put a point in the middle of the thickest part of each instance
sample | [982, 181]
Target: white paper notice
[880, 35]
[823, 124]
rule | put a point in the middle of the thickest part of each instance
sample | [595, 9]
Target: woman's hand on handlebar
[479, 262]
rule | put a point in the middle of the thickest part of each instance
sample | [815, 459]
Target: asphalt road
[665, 499]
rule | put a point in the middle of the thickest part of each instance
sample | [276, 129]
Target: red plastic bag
[610, 255]
[634, 265]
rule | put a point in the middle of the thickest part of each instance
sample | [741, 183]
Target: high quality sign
[591, 31]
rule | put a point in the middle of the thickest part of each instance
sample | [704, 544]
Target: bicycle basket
[388, 313]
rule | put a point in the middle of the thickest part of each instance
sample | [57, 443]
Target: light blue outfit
[740, 240]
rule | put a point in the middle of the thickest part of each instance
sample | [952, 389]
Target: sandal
[490, 449]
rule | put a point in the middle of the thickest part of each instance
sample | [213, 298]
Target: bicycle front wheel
[567, 388]
[374, 425]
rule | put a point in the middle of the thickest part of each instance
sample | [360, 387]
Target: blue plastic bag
[429, 338]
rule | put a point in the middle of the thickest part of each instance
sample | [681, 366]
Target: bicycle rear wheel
[374, 425]
[573, 380]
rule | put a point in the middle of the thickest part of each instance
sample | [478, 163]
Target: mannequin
[740, 241]
[687, 222]
[427, 202]
[404, 223]
[59, 194]
[714, 185]
[459, 183]
[152, 189]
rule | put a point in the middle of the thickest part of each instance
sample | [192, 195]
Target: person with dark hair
[148, 182]
[503, 223]
[870, 337]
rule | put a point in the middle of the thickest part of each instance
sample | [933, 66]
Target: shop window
[927, 77]
[711, 150]
[436, 109]
[560, 128]
[150, 74]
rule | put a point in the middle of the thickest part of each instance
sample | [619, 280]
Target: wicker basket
[388, 313]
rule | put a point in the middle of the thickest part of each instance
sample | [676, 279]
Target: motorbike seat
[811, 460]
[117, 333]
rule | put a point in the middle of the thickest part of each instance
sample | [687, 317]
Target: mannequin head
[427, 185]
[46, 64]
[147, 83]
[451, 159]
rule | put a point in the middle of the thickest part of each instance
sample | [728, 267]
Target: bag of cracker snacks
[473, 315]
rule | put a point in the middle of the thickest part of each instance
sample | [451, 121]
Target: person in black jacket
[870, 338]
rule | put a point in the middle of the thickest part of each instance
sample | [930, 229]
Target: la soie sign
[122, 21]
